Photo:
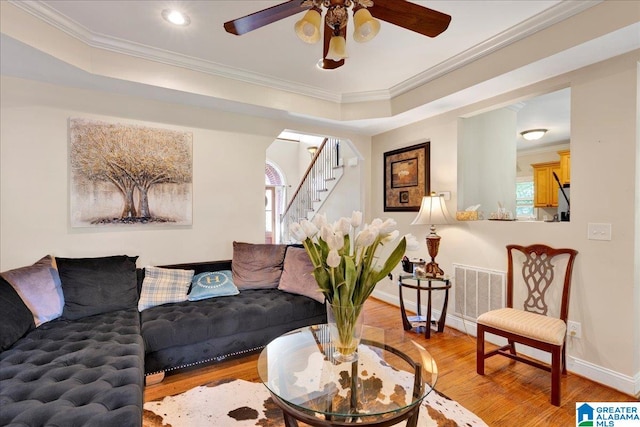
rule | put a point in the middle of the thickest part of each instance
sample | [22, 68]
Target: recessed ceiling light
[176, 17]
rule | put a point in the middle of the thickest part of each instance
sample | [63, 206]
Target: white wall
[604, 153]
[348, 194]
[229, 154]
[547, 154]
[486, 161]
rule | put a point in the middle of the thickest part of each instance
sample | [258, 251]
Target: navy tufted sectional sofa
[90, 371]
[187, 333]
[85, 372]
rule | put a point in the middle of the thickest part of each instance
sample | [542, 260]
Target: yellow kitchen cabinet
[545, 185]
[565, 166]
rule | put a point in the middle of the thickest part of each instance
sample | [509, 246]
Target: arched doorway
[274, 199]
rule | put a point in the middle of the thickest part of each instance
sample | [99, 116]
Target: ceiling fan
[403, 13]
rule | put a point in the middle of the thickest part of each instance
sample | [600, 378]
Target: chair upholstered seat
[541, 288]
[531, 325]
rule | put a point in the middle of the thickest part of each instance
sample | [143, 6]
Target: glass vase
[345, 329]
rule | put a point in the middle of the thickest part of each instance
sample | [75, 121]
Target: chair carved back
[538, 272]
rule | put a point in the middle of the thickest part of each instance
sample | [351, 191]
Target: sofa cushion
[85, 373]
[15, 317]
[252, 311]
[97, 285]
[163, 286]
[297, 276]
[39, 287]
[257, 266]
[212, 284]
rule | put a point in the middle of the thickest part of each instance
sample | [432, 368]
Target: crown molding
[541, 21]
[137, 50]
[549, 17]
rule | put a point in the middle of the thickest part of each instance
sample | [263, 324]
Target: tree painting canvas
[129, 174]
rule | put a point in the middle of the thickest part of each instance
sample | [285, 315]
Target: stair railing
[321, 169]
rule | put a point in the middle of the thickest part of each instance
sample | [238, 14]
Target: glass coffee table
[381, 388]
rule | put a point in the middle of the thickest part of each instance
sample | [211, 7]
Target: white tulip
[333, 239]
[388, 226]
[326, 232]
[336, 241]
[375, 230]
[319, 220]
[390, 237]
[412, 242]
[297, 232]
[376, 223]
[356, 219]
[366, 237]
[309, 228]
[333, 259]
[342, 225]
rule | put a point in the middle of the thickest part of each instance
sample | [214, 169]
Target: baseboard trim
[626, 384]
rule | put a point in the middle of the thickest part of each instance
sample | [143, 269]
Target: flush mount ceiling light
[402, 13]
[533, 134]
[176, 17]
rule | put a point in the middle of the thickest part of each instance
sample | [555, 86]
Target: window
[524, 199]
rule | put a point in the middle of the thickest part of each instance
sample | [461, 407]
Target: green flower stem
[346, 318]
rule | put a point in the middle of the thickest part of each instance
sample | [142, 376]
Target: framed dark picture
[406, 178]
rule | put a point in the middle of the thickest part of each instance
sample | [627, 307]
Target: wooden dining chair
[538, 285]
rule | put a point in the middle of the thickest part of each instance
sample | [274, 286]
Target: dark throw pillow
[297, 277]
[257, 266]
[97, 285]
[15, 317]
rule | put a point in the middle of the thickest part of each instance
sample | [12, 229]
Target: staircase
[316, 185]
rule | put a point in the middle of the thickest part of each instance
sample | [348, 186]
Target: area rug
[241, 403]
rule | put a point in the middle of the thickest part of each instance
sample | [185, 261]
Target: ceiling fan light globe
[308, 28]
[366, 26]
[337, 48]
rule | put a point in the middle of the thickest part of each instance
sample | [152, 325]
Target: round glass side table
[381, 388]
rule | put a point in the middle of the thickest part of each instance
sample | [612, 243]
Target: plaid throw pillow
[163, 286]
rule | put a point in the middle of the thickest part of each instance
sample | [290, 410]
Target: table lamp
[433, 211]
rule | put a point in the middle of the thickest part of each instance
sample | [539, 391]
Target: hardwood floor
[511, 394]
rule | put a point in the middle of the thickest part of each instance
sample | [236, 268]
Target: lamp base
[433, 270]
[433, 244]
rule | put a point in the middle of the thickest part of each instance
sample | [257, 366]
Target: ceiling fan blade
[411, 16]
[330, 64]
[264, 17]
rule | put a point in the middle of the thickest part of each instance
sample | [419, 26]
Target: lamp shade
[433, 211]
[337, 48]
[308, 28]
[366, 27]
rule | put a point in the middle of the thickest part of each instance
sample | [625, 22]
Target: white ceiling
[274, 52]
[396, 61]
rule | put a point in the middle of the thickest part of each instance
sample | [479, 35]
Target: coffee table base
[292, 416]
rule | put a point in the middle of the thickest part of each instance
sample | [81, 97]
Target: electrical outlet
[574, 329]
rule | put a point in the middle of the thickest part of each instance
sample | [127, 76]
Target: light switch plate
[597, 231]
